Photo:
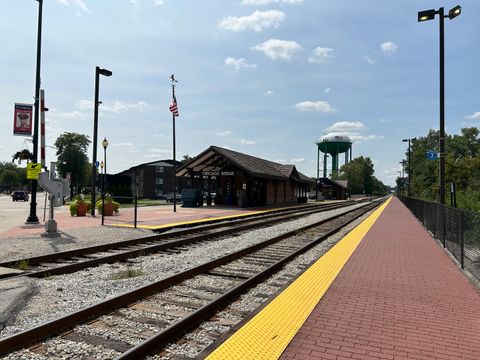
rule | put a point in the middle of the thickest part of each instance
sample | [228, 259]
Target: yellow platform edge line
[226, 217]
[266, 335]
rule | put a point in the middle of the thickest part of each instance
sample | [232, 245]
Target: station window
[159, 181]
[159, 169]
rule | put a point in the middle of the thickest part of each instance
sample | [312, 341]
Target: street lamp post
[430, 15]
[98, 72]
[32, 217]
[104, 178]
[409, 167]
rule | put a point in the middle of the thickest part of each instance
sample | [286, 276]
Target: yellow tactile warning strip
[199, 221]
[267, 334]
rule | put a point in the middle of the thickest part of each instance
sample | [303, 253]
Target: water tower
[333, 145]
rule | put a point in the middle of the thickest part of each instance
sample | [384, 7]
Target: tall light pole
[104, 178]
[403, 168]
[430, 15]
[409, 165]
[98, 72]
[32, 217]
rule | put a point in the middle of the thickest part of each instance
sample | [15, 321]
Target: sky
[267, 78]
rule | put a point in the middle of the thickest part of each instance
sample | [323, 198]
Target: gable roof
[340, 183]
[255, 166]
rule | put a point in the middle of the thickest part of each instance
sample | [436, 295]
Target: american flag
[173, 107]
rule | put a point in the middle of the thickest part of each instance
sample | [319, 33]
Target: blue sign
[97, 163]
[432, 155]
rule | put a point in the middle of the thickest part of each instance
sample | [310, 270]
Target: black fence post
[135, 212]
[442, 207]
[103, 207]
[462, 248]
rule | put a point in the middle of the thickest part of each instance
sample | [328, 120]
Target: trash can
[192, 198]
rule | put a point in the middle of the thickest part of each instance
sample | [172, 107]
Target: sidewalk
[147, 217]
[398, 297]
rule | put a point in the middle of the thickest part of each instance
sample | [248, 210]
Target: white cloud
[115, 107]
[156, 153]
[321, 106]
[299, 160]
[224, 133]
[79, 5]
[128, 147]
[328, 91]
[345, 126]
[267, 2]
[158, 2]
[368, 59]
[84, 104]
[258, 21]
[158, 135]
[239, 63]
[269, 92]
[352, 129]
[389, 47]
[278, 49]
[474, 116]
[321, 55]
[355, 137]
[70, 115]
[247, 142]
[363, 138]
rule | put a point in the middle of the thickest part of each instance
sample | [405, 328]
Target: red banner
[22, 120]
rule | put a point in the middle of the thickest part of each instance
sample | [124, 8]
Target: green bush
[108, 200]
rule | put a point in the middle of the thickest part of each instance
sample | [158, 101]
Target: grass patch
[145, 202]
[126, 274]
[21, 265]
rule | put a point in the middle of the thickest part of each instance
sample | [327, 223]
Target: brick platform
[398, 297]
[150, 216]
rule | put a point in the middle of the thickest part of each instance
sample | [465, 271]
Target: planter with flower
[80, 206]
[110, 206]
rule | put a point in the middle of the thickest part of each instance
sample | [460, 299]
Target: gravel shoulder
[21, 247]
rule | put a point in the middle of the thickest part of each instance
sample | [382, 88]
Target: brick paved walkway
[148, 215]
[398, 297]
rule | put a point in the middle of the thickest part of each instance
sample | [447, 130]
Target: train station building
[231, 178]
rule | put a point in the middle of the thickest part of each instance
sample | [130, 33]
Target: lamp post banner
[22, 119]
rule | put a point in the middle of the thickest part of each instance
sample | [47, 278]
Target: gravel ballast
[60, 295]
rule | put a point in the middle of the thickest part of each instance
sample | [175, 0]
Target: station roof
[216, 158]
[340, 183]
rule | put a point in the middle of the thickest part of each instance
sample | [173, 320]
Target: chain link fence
[458, 230]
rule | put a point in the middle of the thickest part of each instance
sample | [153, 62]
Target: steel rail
[59, 325]
[148, 249]
[178, 328]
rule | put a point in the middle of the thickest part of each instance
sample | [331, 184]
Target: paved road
[14, 213]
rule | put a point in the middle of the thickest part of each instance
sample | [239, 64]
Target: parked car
[19, 195]
[169, 197]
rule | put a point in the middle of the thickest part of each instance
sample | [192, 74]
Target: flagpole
[174, 157]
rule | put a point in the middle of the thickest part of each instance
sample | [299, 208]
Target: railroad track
[140, 322]
[74, 260]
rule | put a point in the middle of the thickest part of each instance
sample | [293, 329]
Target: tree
[185, 159]
[72, 158]
[9, 179]
[21, 172]
[462, 166]
[359, 174]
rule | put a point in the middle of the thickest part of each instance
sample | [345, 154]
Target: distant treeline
[462, 167]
